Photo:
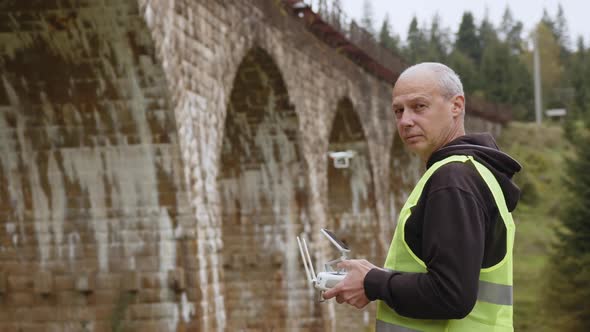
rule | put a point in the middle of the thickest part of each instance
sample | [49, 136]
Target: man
[449, 267]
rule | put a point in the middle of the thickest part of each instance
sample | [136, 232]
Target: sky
[527, 11]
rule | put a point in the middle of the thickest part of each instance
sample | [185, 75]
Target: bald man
[449, 266]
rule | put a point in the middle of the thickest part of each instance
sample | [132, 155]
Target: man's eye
[420, 106]
[398, 111]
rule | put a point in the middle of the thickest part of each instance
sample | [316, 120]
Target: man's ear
[458, 105]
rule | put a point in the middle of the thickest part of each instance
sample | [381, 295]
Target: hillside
[541, 151]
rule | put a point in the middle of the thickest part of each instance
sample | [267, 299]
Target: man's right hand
[351, 289]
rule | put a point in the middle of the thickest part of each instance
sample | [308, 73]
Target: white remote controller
[329, 278]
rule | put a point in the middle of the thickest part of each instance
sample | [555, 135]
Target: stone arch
[351, 195]
[242, 39]
[263, 184]
[351, 200]
[405, 169]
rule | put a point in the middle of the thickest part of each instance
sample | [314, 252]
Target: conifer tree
[487, 33]
[511, 31]
[548, 21]
[568, 282]
[439, 39]
[507, 23]
[386, 37]
[466, 69]
[467, 39]
[561, 31]
[417, 44]
[577, 74]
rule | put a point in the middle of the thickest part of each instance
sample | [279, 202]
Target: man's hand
[351, 289]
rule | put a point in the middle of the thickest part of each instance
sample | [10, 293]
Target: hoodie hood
[484, 149]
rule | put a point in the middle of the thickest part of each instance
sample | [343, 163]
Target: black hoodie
[455, 228]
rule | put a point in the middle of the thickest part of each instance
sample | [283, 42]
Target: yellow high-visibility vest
[493, 310]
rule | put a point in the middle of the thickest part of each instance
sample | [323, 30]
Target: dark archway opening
[405, 169]
[352, 203]
[263, 186]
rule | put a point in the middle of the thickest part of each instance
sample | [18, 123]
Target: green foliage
[577, 76]
[567, 289]
[438, 41]
[487, 34]
[541, 151]
[507, 23]
[551, 66]
[417, 44]
[466, 69]
[427, 44]
[575, 236]
[495, 59]
[505, 79]
[561, 32]
[569, 293]
[496, 63]
[511, 32]
[467, 41]
[386, 38]
[547, 21]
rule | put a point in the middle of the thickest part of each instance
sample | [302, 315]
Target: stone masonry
[159, 157]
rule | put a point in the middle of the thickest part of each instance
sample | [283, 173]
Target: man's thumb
[345, 264]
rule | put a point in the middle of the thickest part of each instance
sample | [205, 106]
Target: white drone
[329, 278]
[341, 158]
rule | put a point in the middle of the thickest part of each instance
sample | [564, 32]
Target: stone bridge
[159, 157]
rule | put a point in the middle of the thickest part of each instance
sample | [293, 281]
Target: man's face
[425, 119]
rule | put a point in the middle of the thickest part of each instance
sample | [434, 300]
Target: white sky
[577, 13]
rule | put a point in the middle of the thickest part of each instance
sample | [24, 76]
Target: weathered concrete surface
[158, 157]
[92, 183]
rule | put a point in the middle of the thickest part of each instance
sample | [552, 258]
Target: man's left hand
[351, 289]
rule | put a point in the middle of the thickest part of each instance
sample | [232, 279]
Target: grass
[542, 152]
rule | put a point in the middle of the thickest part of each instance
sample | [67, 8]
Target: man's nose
[406, 120]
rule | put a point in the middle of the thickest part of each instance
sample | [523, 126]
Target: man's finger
[332, 292]
[346, 264]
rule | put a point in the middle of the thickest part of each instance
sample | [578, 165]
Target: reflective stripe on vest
[387, 327]
[493, 309]
[494, 293]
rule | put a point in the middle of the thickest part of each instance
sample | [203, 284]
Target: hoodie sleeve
[452, 249]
